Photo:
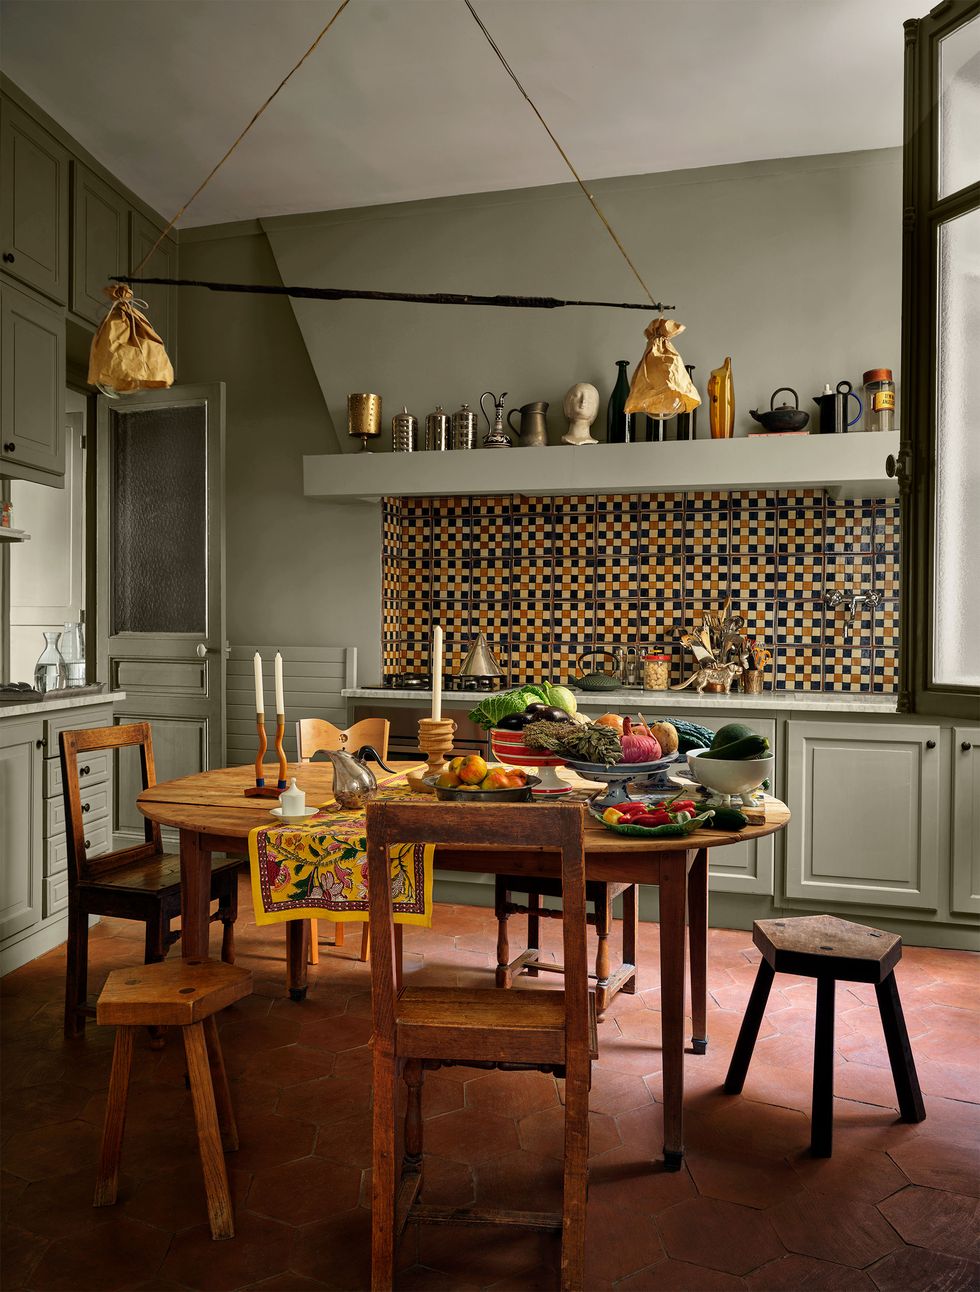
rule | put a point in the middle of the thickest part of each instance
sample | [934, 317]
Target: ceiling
[404, 99]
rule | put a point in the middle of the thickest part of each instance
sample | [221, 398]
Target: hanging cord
[565, 157]
[204, 183]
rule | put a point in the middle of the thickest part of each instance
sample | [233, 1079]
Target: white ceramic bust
[581, 406]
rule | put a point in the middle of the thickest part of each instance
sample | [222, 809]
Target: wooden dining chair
[417, 1029]
[136, 883]
[315, 735]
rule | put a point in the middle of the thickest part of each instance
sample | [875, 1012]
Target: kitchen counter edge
[15, 709]
[657, 701]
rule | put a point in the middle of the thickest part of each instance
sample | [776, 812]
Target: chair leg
[575, 1176]
[297, 980]
[414, 1076]
[155, 939]
[631, 933]
[219, 1082]
[228, 911]
[365, 941]
[208, 1135]
[533, 930]
[315, 942]
[76, 977]
[338, 933]
[383, 1173]
[399, 956]
[603, 927]
[899, 1051]
[822, 1108]
[749, 1030]
[107, 1180]
[500, 899]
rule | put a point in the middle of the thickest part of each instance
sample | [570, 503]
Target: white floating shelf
[14, 535]
[847, 466]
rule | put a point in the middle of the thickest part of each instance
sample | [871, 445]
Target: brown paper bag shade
[661, 384]
[127, 354]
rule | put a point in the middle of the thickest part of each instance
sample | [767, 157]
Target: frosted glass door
[959, 108]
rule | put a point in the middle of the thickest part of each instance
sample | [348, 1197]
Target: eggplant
[537, 708]
[516, 721]
[551, 713]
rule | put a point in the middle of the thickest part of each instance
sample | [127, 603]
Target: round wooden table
[212, 815]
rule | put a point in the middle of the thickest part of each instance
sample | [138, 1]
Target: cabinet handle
[84, 771]
[930, 744]
[86, 806]
[9, 447]
[87, 844]
[8, 257]
[966, 746]
[40, 743]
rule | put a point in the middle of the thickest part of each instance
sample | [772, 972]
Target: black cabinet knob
[40, 743]
[86, 806]
[9, 446]
[930, 744]
[87, 844]
[966, 746]
[84, 771]
[8, 257]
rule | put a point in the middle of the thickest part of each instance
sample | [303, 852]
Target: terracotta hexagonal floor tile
[944, 1222]
[303, 1191]
[520, 1181]
[288, 1282]
[850, 1173]
[346, 1140]
[542, 1278]
[118, 1254]
[721, 1235]
[512, 1094]
[347, 1032]
[271, 1139]
[625, 1178]
[289, 1065]
[337, 1250]
[745, 1126]
[544, 1132]
[804, 1274]
[617, 1092]
[680, 1276]
[483, 1254]
[614, 1250]
[325, 1099]
[940, 1164]
[468, 1135]
[842, 1231]
[36, 1154]
[62, 1205]
[260, 1249]
[913, 1269]
[748, 1179]
[21, 1252]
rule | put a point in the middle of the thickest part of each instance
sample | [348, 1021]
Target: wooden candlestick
[280, 732]
[260, 789]
[435, 741]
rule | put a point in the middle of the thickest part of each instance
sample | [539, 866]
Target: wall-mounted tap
[858, 601]
[832, 599]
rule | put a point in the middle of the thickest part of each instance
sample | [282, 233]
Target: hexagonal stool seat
[829, 949]
[185, 994]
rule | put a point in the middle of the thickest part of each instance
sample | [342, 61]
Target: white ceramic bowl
[730, 776]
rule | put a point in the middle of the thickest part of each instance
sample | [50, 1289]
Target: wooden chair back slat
[72, 743]
[315, 734]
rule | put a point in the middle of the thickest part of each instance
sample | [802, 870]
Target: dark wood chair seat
[138, 883]
[600, 896]
[185, 994]
[830, 949]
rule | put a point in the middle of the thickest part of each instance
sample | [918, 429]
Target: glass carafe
[72, 647]
[49, 671]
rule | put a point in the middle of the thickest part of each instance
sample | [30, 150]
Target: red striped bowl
[509, 747]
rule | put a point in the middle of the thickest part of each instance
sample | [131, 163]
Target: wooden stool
[185, 994]
[828, 949]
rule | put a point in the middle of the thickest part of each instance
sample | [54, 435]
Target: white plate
[293, 820]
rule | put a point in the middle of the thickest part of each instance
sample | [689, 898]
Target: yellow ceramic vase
[721, 401]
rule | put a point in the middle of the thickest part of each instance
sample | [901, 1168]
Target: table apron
[617, 867]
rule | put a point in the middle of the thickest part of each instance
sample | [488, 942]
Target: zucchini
[747, 747]
[728, 818]
[690, 735]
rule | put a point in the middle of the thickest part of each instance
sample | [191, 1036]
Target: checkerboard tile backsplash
[549, 578]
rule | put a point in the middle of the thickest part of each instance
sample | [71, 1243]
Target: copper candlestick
[435, 741]
[260, 789]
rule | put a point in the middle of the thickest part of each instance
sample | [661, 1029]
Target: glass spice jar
[879, 400]
[656, 671]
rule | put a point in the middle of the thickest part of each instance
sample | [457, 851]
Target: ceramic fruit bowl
[463, 794]
[618, 776]
[509, 748]
[727, 777]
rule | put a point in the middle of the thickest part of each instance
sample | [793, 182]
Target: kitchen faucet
[867, 600]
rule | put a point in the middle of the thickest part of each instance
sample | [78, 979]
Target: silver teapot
[353, 781]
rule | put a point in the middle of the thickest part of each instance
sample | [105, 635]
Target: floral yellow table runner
[318, 870]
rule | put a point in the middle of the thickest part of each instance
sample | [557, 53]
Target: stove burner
[450, 682]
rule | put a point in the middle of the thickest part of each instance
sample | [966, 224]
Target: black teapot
[783, 418]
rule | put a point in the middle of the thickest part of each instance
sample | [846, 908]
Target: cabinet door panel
[100, 243]
[966, 820]
[20, 827]
[33, 204]
[32, 358]
[161, 301]
[865, 804]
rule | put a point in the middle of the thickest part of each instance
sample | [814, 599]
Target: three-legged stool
[828, 949]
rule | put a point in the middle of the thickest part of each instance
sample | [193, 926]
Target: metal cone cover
[479, 662]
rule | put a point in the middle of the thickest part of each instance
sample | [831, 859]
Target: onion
[638, 748]
[612, 720]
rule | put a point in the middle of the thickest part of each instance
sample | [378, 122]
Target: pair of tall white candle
[437, 673]
[260, 693]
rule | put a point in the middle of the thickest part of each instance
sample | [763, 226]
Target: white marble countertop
[658, 702]
[14, 708]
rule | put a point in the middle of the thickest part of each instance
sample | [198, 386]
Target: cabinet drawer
[97, 839]
[93, 769]
[96, 715]
[97, 809]
[55, 895]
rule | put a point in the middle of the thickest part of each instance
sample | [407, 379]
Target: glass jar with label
[879, 400]
[656, 671]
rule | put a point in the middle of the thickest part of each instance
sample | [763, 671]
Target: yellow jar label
[883, 399]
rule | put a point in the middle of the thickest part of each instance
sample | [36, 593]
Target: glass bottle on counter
[656, 671]
[687, 423]
[72, 648]
[879, 400]
[49, 671]
[620, 425]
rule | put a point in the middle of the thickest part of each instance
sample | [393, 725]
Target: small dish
[293, 820]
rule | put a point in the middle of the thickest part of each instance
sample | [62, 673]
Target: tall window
[939, 465]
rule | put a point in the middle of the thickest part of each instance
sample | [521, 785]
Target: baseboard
[53, 934]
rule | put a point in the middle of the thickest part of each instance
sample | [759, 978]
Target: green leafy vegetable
[497, 705]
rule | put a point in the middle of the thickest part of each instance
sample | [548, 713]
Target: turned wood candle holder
[260, 789]
[435, 741]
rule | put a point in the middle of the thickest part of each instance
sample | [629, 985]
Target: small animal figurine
[724, 674]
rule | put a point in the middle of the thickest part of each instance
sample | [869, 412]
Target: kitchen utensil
[459, 794]
[833, 408]
[465, 426]
[879, 399]
[533, 430]
[364, 418]
[292, 802]
[721, 401]
[728, 777]
[497, 438]
[479, 661]
[368, 754]
[404, 431]
[598, 681]
[783, 418]
[438, 430]
[353, 781]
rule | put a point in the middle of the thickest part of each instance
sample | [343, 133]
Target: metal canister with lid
[438, 429]
[404, 429]
[879, 400]
[465, 428]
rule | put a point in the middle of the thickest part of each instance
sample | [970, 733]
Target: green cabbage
[498, 705]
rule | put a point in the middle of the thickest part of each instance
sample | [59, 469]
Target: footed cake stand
[652, 777]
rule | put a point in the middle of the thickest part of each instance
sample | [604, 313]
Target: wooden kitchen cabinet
[100, 242]
[161, 301]
[32, 364]
[33, 203]
[965, 839]
[744, 867]
[21, 829]
[866, 803]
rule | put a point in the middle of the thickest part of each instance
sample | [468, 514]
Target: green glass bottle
[620, 425]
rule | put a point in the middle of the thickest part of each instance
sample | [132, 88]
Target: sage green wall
[791, 266]
[297, 572]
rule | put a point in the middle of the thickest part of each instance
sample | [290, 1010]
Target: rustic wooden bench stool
[185, 994]
[828, 949]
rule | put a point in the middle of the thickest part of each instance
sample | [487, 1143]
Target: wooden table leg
[195, 895]
[673, 903]
[697, 915]
[297, 950]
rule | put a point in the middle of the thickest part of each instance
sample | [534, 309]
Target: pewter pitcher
[353, 781]
[533, 430]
